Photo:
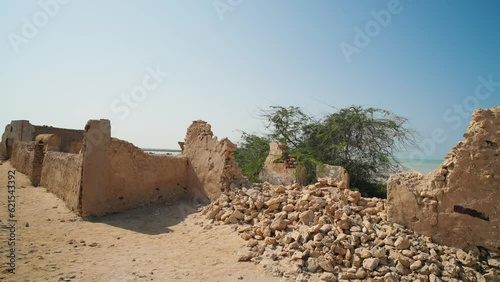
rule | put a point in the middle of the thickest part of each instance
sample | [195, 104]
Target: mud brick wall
[61, 174]
[70, 138]
[22, 156]
[117, 175]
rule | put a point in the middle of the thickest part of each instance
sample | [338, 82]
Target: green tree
[251, 154]
[363, 140]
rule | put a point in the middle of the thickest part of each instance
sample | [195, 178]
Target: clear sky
[152, 67]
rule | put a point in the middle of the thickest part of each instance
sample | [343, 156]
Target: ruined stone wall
[277, 170]
[212, 167]
[23, 130]
[22, 156]
[116, 175]
[138, 178]
[456, 204]
[70, 138]
[17, 130]
[61, 175]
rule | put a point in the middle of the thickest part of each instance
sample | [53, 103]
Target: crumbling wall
[138, 178]
[61, 175]
[456, 204]
[278, 169]
[70, 138]
[17, 130]
[212, 167]
[116, 175]
[331, 175]
[51, 142]
[23, 130]
[22, 156]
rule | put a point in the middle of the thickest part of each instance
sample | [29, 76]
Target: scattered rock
[370, 263]
[335, 231]
[328, 277]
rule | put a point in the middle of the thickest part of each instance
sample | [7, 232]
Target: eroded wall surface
[139, 179]
[458, 203]
[117, 175]
[332, 175]
[70, 138]
[212, 167]
[23, 130]
[17, 130]
[61, 175]
[277, 170]
[22, 156]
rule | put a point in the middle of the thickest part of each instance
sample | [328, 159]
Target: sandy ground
[158, 243]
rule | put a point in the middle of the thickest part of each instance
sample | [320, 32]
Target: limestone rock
[328, 277]
[462, 192]
[370, 263]
[306, 217]
[336, 176]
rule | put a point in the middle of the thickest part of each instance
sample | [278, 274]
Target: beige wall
[17, 130]
[110, 175]
[68, 136]
[22, 156]
[23, 130]
[118, 175]
[212, 167]
[456, 204]
[138, 178]
[61, 175]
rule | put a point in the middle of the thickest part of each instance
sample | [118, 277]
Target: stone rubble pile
[297, 231]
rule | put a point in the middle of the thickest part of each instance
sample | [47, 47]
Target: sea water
[423, 166]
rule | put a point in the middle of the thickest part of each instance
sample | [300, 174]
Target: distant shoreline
[422, 166]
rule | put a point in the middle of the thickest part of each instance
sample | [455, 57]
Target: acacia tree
[363, 140]
[251, 154]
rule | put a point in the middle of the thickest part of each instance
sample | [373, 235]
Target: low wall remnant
[61, 175]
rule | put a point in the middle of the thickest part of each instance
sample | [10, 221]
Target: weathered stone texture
[458, 203]
[17, 130]
[277, 169]
[22, 156]
[296, 231]
[335, 176]
[212, 167]
[23, 130]
[51, 142]
[61, 175]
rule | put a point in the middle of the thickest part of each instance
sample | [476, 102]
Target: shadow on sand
[152, 220]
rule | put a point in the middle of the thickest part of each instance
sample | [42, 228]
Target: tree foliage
[363, 140]
[251, 154]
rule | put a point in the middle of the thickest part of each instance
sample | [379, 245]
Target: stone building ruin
[96, 174]
[457, 204]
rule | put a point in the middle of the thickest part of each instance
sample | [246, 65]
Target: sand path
[158, 243]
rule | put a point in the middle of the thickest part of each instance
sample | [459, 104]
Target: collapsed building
[457, 203]
[96, 174]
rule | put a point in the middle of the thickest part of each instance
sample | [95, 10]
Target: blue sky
[65, 62]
